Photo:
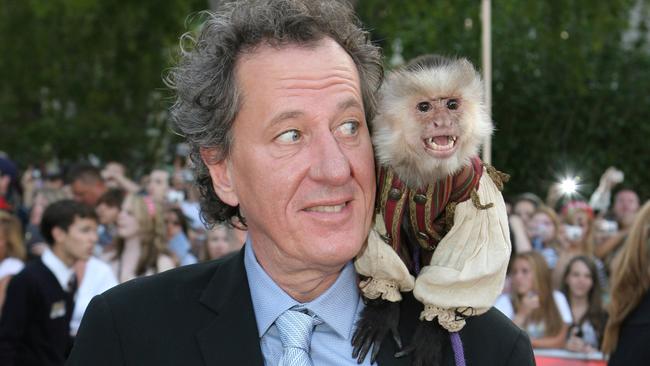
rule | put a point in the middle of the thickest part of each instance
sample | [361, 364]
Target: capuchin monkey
[427, 134]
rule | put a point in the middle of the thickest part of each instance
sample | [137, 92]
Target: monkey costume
[441, 228]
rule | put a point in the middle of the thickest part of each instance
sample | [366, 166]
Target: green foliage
[568, 96]
[85, 76]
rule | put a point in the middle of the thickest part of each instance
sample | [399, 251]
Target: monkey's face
[430, 121]
[439, 120]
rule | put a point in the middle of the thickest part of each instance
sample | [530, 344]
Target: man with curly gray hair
[274, 98]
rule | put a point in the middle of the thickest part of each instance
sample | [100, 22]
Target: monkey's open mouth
[440, 143]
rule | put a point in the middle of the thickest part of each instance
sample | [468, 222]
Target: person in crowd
[94, 277]
[523, 209]
[577, 238]
[544, 234]
[9, 187]
[626, 206]
[221, 240]
[108, 209]
[177, 229]
[274, 100]
[141, 245]
[628, 327]
[114, 174]
[580, 285]
[86, 183]
[35, 321]
[533, 305]
[525, 206]
[34, 240]
[158, 185]
[12, 250]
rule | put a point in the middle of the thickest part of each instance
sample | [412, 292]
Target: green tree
[569, 95]
[85, 76]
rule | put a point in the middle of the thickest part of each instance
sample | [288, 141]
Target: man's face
[301, 165]
[78, 242]
[87, 192]
[626, 205]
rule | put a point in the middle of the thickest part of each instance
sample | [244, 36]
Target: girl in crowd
[221, 241]
[532, 304]
[576, 237]
[543, 231]
[580, 285]
[141, 246]
[12, 251]
[628, 328]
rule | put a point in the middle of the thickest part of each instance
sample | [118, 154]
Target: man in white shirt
[35, 322]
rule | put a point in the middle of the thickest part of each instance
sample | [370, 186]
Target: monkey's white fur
[397, 138]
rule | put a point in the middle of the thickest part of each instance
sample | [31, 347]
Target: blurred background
[571, 79]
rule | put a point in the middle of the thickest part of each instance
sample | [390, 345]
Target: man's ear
[58, 234]
[220, 172]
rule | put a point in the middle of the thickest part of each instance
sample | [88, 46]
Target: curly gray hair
[207, 95]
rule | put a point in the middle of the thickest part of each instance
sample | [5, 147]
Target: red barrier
[559, 357]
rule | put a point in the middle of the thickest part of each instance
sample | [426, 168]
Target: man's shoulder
[495, 339]
[175, 284]
[34, 271]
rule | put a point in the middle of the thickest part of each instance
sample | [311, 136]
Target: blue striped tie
[295, 329]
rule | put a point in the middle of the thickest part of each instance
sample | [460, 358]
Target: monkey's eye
[452, 104]
[424, 106]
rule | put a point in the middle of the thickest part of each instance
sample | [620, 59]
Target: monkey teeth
[431, 142]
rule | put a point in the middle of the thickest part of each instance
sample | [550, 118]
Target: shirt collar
[337, 306]
[58, 268]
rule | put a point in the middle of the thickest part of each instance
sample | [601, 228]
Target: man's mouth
[440, 143]
[327, 208]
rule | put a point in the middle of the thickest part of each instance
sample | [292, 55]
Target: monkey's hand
[377, 319]
[426, 345]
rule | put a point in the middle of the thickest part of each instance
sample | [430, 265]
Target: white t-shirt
[536, 330]
[98, 277]
[10, 266]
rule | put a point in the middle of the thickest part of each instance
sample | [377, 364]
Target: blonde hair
[547, 312]
[631, 279]
[11, 230]
[153, 239]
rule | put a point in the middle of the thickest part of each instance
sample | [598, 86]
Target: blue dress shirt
[339, 308]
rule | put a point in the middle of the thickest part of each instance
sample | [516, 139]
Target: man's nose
[329, 162]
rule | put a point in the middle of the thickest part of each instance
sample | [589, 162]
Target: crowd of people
[131, 230]
[566, 270]
[569, 280]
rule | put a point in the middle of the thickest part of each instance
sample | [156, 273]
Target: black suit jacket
[203, 315]
[35, 321]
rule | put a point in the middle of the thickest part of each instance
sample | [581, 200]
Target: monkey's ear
[221, 174]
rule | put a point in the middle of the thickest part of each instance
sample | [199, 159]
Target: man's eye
[289, 136]
[349, 128]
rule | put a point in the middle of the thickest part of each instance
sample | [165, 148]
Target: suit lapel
[231, 337]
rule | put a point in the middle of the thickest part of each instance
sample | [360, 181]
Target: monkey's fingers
[396, 337]
[405, 352]
[360, 340]
[364, 348]
[376, 345]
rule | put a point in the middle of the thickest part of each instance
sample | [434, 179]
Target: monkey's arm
[386, 276]
[468, 268]
[386, 273]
